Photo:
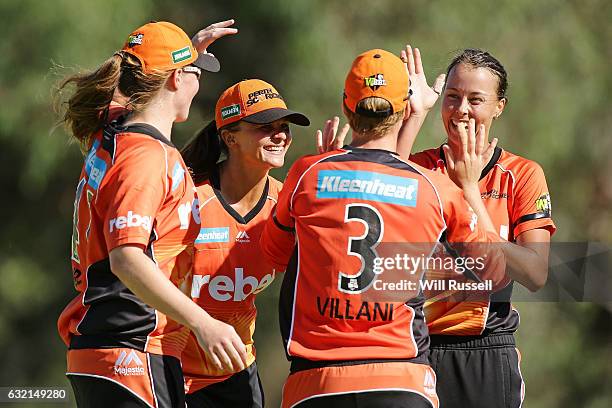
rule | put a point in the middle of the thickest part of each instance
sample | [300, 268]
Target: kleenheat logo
[375, 81]
[367, 185]
[208, 235]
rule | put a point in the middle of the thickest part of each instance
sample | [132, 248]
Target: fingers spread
[410, 54]
[480, 138]
[319, 141]
[418, 64]
[448, 155]
[471, 140]
[341, 136]
[222, 24]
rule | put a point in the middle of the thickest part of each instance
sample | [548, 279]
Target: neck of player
[386, 142]
[242, 187]
[155, 115]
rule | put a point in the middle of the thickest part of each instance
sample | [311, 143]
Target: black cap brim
[270, 115]
[207, 62]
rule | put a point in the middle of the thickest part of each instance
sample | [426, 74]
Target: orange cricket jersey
[228, 272]
[134, 189]
[516, 196]
[335, 216]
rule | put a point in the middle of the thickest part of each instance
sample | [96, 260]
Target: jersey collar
[215, 182]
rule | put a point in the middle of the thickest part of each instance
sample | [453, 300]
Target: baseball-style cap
[163, 46]
[377, 73]
[254, 101]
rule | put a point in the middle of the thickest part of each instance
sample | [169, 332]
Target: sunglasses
[193, 69]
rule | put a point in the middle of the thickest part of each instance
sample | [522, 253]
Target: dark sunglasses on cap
[193, 69]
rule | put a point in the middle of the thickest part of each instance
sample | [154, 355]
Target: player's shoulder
[428, 158]
[520, 167]
[439, 181]
[310, 159]
[304, 163]
[205, 190]
[274, 187]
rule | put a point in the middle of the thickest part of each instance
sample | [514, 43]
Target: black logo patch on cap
[375, 81]
[135, 39]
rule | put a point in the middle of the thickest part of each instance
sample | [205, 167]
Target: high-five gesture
[330, 139]
[423, 97]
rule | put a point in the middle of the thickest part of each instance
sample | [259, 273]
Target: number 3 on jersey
[363, 247]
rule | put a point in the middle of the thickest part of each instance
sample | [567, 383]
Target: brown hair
[375, 127]
[87, 107]
[476, 58]
[202, 152]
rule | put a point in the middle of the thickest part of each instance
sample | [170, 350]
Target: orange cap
[163, 46]
[254, 101]
[377, 73]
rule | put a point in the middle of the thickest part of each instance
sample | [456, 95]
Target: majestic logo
[181, 55]
[224, 288]
[131, 220]
[230, 111]
[207, 235]
[135, 39]
[129, 364]
[429, 383]
[543, 204]
[375, 81]
[242, 237]
[366, 185]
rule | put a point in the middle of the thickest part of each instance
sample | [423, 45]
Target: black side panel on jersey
[115, 316]
[419, 325]
[502, 318]
[285, 302]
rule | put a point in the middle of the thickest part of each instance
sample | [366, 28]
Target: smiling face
[260, 145]
[470, 93]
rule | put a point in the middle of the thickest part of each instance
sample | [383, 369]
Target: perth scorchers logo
[262, 94]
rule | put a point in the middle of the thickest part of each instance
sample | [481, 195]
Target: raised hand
[205, 37]
[330, 139]
[423, 97]
[465, 165]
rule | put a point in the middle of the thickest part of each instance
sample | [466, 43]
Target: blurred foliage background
[557, 54]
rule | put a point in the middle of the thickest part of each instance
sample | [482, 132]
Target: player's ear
[175, 79]
[501, 104]
[228, 138]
